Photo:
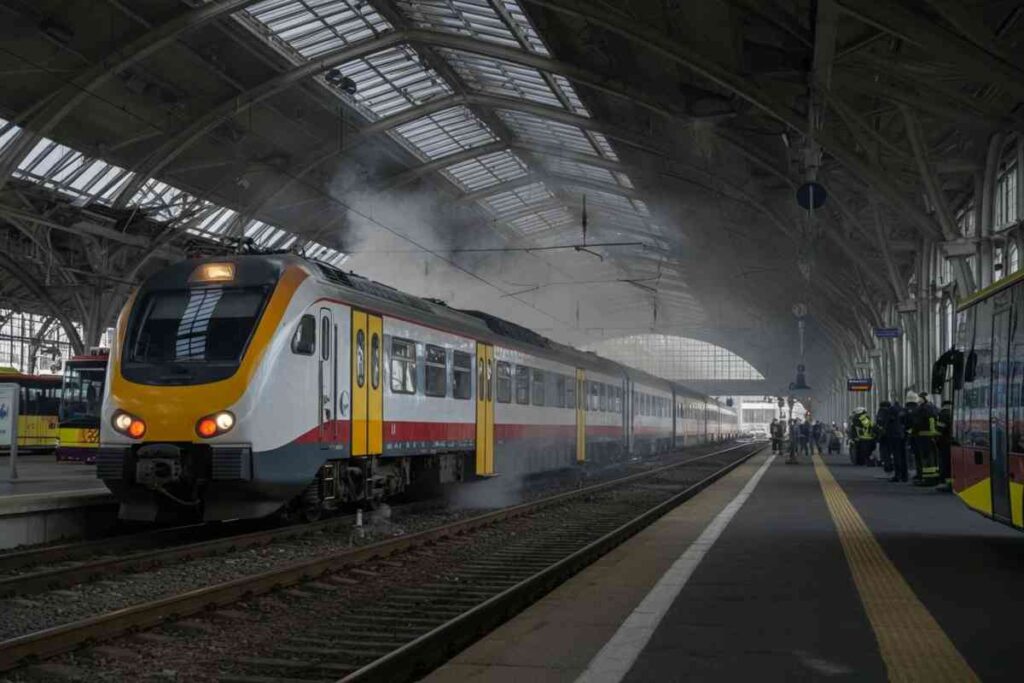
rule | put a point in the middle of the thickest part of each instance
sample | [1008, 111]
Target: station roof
[477, 138]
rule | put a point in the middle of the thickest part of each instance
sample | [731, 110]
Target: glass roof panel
[446, 132]
[515, 200]
[475, 18]
[542, 221]
[547, 132]
[393, 80]
[499, 77]
[574, 169]
[486, 170]
[312, 27]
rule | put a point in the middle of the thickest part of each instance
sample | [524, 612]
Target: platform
[928, 595]
[51, 500]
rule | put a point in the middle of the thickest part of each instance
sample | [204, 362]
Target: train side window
[360, 358]
[375, 353]
[436, 371]
[522, 385]
[504, 382]
[538, 388]
[304, 340]
[462, 375]
[403, 366]
[559, 391]
[570, 393]
[602, 397]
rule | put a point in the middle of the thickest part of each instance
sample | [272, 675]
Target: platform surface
[775, 597]
[44, 481]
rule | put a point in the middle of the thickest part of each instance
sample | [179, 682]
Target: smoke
[486, 494]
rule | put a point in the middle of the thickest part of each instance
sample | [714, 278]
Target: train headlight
[128, 424]
[215, 425]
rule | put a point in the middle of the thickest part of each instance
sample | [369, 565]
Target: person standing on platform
[925, 430]
[805, 437]
[864, 432]
[909, 416]
[775, 431]
[895, 436]
[944, 442]
[881, 417]
[794, 441]
[816, 431]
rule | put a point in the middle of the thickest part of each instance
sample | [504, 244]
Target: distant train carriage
[987, 454]
[80, 404]
[38, 400]
[242, 386]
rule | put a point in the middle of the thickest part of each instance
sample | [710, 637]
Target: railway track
[416, 625]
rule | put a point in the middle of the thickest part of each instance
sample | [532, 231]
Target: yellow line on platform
[913, 645]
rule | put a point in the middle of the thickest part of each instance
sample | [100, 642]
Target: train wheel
[311, 505]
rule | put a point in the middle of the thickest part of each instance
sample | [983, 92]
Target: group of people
[804, 437]
[917, 429]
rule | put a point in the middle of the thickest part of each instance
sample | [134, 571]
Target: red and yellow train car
[39, 397]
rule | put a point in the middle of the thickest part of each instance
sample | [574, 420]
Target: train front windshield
[82, 396]
[191, 336]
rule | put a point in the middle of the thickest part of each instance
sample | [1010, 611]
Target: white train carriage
[241, 385]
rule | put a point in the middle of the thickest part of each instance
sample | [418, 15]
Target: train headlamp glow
[128, 424]
[215, 425]
[213, 272]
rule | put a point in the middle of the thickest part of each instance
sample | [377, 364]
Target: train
[254, 385]
[80, 402]
[986, 365]
[38, 401]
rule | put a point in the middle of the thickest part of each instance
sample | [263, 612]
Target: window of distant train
[570, 393]
[375, 363]
[538, 388]
[403, 366]
[595, 397]
[462, 375]
[360, 358]
[436, 371]
[504, 382]
[304, 341]
[522, 385]
[602, 397]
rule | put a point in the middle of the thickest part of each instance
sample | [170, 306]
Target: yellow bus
[81, 400]
[39, 400]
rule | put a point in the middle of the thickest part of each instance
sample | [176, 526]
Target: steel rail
[66, 637]
[420, 656]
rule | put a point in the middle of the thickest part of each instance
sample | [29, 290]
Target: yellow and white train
[241, 386]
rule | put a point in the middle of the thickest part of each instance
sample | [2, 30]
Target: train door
[484, 409]
[327, 382]
[999, 457]
[367, 391]
[581, 416]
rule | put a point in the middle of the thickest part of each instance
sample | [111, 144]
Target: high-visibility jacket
[925, 421]
[864, 428]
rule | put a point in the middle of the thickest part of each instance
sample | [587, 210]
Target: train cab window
[403, 366]
[436, 371]
[462, 375]
[375, 353]
[360, 358]
[522, 385]
[504, 382]
[537, 392]
[304, 340]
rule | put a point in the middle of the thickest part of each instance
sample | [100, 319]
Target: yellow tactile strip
[913, 645]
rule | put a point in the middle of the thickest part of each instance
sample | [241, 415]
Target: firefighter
[924, 430]
[864, 434]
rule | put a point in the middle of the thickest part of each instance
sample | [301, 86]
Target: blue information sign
[887, 332]
[858, 384]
